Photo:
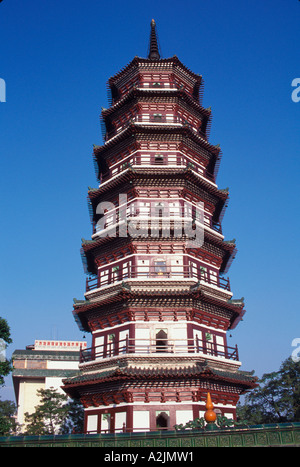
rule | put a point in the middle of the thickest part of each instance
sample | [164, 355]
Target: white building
[42, 366]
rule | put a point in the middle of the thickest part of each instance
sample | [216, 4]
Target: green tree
[5, 365]
[277, 399]
[50, 415]
[56, 414]
[74, 421]
[8, 424]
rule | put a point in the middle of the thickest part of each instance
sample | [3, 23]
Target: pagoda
[157, 303]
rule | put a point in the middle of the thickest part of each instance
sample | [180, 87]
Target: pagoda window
[203, 273]
[209, 343]
[105, 423]
[157, 85]
[115, 275]
[98, 347]
[125, 271]
[194, 270]
[162, 420]
[213, 277]
[159, 159]
[111, 345]
[123, 341]
[204, 341]
[160, 209]
[120, 421]
[160, 268]
[157, 117]
[220, 345]
[161, 340]
[103, 277]
[92, 423]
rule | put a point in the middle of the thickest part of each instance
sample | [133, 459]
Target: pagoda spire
[153, 53]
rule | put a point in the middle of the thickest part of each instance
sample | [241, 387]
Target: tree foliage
[49, 415]
[5, 365]
[200, 423]
[8, 424]
[54, 415]
[277, 399]
[75, 420]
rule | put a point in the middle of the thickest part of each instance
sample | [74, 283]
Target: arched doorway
[162, 421]
[161, 340]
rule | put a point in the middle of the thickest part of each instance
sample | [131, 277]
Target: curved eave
[235, 307]
[144, 92]
[138, 60]
[83, 307]
[133, 129]
[133, 374]
[135, 173]
[89, 246]
[228, 258]
[89, 249]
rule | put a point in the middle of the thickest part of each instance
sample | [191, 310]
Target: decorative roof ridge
[87, 242]
[228, 246]
[238, 302]
[231, 242]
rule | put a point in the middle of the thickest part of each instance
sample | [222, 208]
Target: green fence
[284, 434]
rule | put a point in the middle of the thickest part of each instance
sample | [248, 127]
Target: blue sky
[56, 58]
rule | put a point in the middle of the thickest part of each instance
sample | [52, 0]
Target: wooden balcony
[163, 347]
[184, 210]
[156, 119]
[158, 272]
[138, 161]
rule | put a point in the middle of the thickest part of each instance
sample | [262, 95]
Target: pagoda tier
[178, 143]
[133, 397]
[214, 251]
[156, 302]
[133, 301]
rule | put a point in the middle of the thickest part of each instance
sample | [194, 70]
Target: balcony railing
[158, 346]
[183, 210]
[155, 118]
[165, 85]
[137, 160]
[159, 271]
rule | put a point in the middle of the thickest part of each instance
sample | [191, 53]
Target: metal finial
[153, 43]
